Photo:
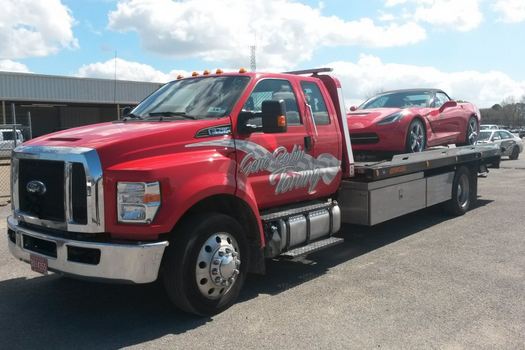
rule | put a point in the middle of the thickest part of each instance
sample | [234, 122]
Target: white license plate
[38, 264]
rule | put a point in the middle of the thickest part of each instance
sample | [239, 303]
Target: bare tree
[510, 112]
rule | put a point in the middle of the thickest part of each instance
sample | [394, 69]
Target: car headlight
[137, 202]
[392, 118]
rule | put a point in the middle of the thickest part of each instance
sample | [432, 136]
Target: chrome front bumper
[137, 263]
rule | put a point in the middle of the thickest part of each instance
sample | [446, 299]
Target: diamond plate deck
[312, 247]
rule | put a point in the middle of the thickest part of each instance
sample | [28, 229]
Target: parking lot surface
[422, 281]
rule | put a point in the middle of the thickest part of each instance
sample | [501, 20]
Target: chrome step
[312, 247]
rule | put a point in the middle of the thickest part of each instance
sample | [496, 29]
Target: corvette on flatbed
[412, 120]
[211, 175]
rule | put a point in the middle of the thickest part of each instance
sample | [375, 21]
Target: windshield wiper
[132, 116]
[172, 114]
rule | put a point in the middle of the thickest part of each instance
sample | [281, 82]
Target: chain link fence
[11, 135]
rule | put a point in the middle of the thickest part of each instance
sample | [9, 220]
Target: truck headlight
[137, 202]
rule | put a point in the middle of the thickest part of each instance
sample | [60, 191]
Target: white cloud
[34, 28]
[511, 11]
[360, 79]
[462, 15]
[369, 75]
[127, 70]
[12, 66]
[287, 32]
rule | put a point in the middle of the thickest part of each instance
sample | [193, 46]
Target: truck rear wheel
[463, 192]
[205, 264]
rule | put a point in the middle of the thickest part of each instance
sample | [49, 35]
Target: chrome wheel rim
[472, 131]
[417, 138]
[217, 267]
[463, 191]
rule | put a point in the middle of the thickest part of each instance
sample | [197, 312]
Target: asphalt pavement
[422, 281]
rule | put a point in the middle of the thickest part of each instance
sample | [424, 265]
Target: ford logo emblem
[36, 187]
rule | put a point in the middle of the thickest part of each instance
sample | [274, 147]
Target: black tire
[180, 269]
[472, 133]
[416, 139]
[464, 192]
[515, 154]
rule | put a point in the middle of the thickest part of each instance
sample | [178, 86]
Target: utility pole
[253, 63]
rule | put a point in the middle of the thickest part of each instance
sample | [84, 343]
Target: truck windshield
[195, 98]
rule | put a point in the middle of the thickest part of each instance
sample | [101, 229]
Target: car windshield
[195, 98]
[404, 99]
[484, 135]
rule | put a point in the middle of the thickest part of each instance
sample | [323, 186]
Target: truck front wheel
[205, 264]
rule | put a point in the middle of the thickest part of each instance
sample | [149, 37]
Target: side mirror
[448, 104]
[243, 123]
[496, 138]
[126, 110]
[353, 108]
[273, 117]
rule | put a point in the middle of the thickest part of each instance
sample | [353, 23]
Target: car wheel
[416, 140]
[472, 131]
[515, 153]
[206, 264]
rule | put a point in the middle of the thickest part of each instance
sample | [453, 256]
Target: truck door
[326, 135]
[279, 167]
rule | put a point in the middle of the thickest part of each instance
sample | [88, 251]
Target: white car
[489, 127]
[511, 145]
[7, 141]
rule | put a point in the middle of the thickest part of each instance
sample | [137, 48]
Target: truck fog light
[138, 202]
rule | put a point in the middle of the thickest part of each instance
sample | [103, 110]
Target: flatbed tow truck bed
[386, 189]
[403, 164]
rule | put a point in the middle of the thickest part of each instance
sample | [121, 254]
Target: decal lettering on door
[288, 170]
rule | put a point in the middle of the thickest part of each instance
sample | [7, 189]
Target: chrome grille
[48, 205]
[72, 177]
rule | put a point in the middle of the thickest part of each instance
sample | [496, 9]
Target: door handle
[307, 143]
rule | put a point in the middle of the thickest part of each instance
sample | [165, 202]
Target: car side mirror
[273, 116]
[496, 138]
[448, 104]
[126, 111]
[353, 108]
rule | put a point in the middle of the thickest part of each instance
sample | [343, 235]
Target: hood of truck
[118, 142]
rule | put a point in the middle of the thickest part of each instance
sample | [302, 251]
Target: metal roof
[49, 88]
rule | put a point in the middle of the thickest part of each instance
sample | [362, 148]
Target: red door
[326, 135]
[279, 168]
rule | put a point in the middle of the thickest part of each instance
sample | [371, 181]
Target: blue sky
[471, 48]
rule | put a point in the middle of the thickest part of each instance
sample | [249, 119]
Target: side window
[274, 89]
[315, 100]
[440, 99]
[505, 135]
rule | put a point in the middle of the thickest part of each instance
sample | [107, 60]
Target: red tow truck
[209, 176]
